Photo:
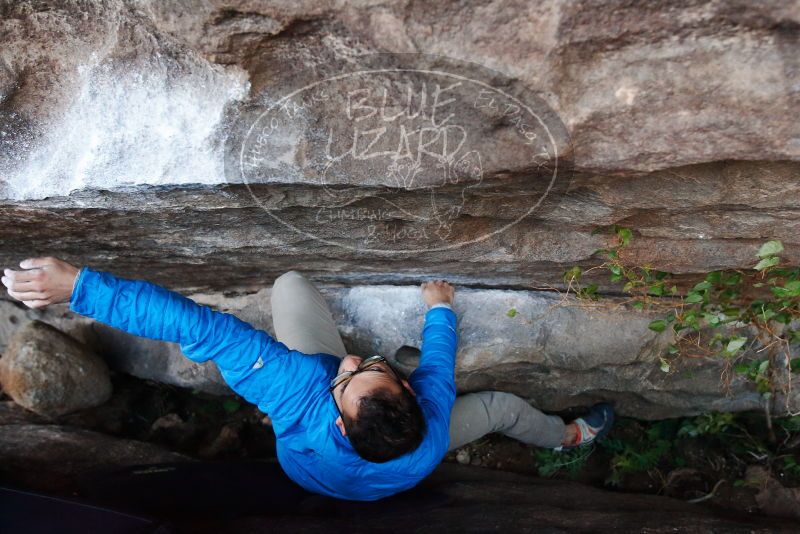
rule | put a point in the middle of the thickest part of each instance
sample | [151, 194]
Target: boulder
[773, 498]
[52, 457]
[12, 413]
[51, 374]
[473, 499]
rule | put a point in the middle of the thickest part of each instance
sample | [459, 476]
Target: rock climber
[346, 426]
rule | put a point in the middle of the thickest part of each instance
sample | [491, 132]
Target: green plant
[550, 462]
[720, 444]
[791, 466]
[723, 315]
[713, 423]
[636, 451]
[790, 424]
[757, 371]
[726, 431]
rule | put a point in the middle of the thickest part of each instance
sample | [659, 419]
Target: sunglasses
[365, 365]
[341, 378]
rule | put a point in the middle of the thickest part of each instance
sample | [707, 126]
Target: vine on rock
[748, 318]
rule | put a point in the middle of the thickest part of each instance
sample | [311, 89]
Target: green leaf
[589, 291]
[782, 317]
[638, 305]
[766, 263]
[794, 365]
[741, 368]
[702, 286]
[624, 235]
[729, 294]
[770, 248]
[766, 314]
[665, 366]
[789, 289]
[763, 366]
[627, 287]
[573, 274]
[658, 325]
[673, 349]
[735, 344]
[512, 312]
[693, 297]
[732, 279]
[656, 289]
[714, 277]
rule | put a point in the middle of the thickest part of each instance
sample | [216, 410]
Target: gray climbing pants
[302, 321]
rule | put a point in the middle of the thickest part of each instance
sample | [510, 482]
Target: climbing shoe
[593, 426]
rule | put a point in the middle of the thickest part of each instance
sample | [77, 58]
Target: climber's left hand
[42, 281]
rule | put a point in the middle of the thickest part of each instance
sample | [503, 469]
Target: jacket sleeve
[257, 367]
[434, 379]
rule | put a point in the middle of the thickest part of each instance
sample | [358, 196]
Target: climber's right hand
[42, 281]
[436, 292]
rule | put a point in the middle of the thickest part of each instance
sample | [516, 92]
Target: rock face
[13, 413]
[676, 118]
[50, 457]
[214, 147]
[50, 373]
[470, 499]
[773, 498]
[555, 352]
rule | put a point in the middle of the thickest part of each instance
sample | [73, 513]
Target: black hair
[387, 425]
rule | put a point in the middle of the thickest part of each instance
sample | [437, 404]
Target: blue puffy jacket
[291, 387]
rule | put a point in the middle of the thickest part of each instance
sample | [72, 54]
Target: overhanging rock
[134, 108]
[556, 352]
